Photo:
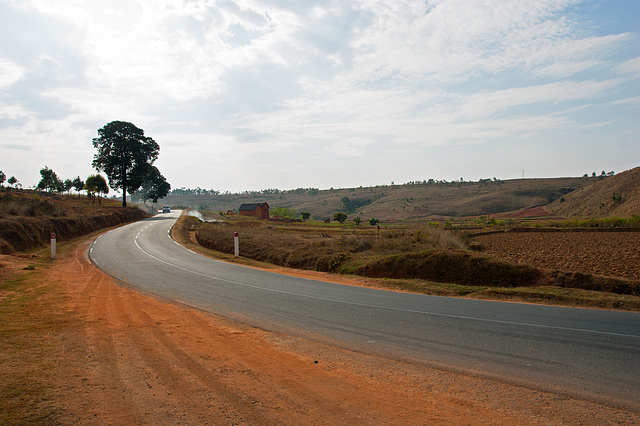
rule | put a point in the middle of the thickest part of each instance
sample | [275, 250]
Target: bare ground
[612, 254]
[129, 358]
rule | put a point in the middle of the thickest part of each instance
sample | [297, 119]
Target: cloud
[485, 104]
[631, 67]
[269, 81]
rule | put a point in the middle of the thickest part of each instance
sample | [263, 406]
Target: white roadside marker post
[53, 245]
[236, 244]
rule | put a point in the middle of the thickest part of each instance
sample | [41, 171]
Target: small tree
[50, 181]
[97, 183]
[78, 184]
[68, 184]
[617, 198]
[340, 217]
[13, 181]
[305, 215]
[3, 177]
[373, 222]
[357, 220]
[283, 212]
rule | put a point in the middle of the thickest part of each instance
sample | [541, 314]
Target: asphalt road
[592, 354]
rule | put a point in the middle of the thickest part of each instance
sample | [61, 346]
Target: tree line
[125, 155]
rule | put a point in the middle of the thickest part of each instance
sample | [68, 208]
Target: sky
[250, 95]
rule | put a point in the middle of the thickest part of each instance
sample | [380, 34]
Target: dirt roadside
[129, 358]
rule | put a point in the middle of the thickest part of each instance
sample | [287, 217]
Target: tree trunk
[124, 187]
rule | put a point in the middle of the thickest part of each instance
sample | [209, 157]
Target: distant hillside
[414, 201]
[617, 195]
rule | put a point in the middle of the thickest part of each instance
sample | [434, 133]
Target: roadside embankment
[20, 233]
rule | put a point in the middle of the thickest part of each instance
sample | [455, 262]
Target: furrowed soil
[611, 254]
[79, 348]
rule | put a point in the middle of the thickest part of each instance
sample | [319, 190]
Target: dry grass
[27, 219]
[407, 251]
[438, 201]
[30, 320]
[342, 249]
[31, 206]
[618, 195]
[317, 246]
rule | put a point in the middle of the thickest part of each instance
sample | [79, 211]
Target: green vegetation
[617, 198]
[283, 212]
[96, 184]
[339, 217]
[50, 181]
[154, 186]
[605, 222]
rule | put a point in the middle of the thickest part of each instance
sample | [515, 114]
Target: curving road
[592, 354]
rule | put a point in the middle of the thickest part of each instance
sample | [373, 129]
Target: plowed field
[613, 254]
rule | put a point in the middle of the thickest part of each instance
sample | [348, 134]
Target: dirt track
[132, 359]
[613, 254]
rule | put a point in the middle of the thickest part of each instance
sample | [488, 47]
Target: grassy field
[412, 257]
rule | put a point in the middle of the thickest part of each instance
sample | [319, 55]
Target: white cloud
[262, 81]
[632, 67]
[10, 72]
[485, 104]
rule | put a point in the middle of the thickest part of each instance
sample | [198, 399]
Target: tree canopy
[96, 183]
[125, 155]
[78, 184]
[154, 186]
[340, 217]
[50, 180]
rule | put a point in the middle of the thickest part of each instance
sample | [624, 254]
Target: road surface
[591, 354]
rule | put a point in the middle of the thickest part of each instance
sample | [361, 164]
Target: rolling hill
[412, 201]
[617, 195]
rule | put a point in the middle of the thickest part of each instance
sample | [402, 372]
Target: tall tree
[124, 154]
[3, 177]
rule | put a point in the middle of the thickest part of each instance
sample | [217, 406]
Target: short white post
[53, 245]
[236, 244]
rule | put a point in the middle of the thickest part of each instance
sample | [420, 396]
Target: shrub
[451, 266]
[340, 217]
